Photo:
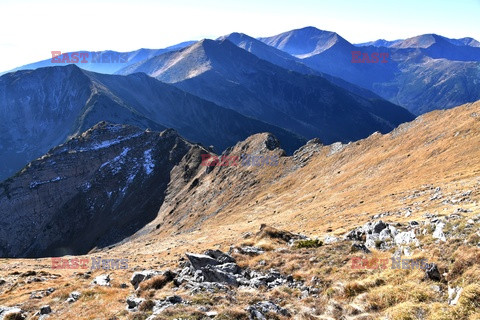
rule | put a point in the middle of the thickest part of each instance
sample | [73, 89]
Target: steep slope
[92, 191]
[321, 188]
[289, 62]
[48, 105]
[407, 59]
[41, 108]
[268, 53]
[309, 105]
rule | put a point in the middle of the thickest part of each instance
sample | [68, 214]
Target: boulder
[220, 256]
[261, 309]
[215, 274]
[200, 261]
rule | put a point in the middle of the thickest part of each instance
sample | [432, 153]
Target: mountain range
[309, 105]
[49, 105]
[423, 73]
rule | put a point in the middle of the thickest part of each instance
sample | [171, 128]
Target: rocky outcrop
[92, 191]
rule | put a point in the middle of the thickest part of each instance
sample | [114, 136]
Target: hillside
[412, 194]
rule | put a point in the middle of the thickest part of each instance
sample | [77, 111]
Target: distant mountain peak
[305, 42]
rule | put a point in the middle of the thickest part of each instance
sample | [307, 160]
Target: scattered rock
[39, 294]
[133, 303]
[438, 233]
[406, 238]
[360, 246]
[330, 239]
[251, 251]
[74, 296]
[454, 295]
[45, 309]
[200, 261]
[261, 309]
[220, 256]
[215, 274]
[432, 272]
[161, 305]
[102, 280]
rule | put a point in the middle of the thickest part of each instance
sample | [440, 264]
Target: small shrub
[354, 288]
[14, 316]
[312, 243]
[146, 305]
[156, 283]
[406, 311]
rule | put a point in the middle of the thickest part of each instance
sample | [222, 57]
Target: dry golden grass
[329, 196]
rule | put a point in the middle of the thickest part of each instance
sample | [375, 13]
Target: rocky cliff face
[94, 190]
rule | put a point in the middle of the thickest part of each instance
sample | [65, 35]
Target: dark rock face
[94, 190]
[432, 272]
[43, 108]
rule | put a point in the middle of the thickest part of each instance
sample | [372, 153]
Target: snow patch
[108, 143]
[148, 165]
[116, 163]
[35, 184]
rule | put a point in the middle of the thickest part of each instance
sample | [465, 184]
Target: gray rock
[385, 234]
[438, 233]
[102, 280]
[200, 261]
[407, 237]
[249, 250]
[454, 295]
[133, 303]
[379, 226]
[138, 277]
[74, 296]
[229, 268]
[220, 256]
[371, 241]
[45, 309]
[260, 309]
[215, 274]
[39, 294]
[355, 235]
[166, 303]
[329, 239]
[360, 246]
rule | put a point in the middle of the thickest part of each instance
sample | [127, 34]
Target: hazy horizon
[124, 26]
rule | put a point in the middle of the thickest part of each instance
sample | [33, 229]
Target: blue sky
[29, 30]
